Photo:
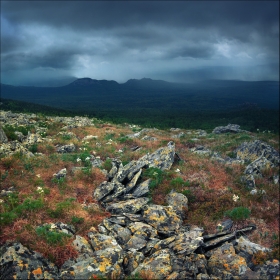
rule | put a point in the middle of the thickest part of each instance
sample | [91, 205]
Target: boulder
[66, 148]
[3, 137]
[158, 265]
[61, 173]
[18, 262]
[230, 128]
[224, 263]
[163, 218]
[246, 249]
[250, 151]
[131, 206]
[178, 201]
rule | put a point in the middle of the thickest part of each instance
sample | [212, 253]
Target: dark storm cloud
[132, 39]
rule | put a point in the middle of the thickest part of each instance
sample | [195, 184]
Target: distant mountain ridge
[88, 95]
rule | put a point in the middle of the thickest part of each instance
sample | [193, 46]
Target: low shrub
[238, 213]
[52, 237]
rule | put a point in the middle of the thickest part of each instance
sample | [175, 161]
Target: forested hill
[155, 102]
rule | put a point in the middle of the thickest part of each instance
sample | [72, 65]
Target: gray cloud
[133, 39]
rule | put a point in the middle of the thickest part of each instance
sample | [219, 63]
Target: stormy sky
[53, 42]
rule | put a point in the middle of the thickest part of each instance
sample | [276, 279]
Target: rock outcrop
[230, 128]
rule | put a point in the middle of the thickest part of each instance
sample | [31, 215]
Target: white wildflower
[40, 190]
[120, 151]
[235, 198]
[155, 173]
[87, 158]
[177, 170]
[78, 159]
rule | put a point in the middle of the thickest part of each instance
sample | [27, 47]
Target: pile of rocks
[143, 238]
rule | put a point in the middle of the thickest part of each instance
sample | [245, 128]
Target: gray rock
[157, 265]
[3, 136]
[178, 201]
[257, 166]
[249, 181]
[131, 261]
[231, 128]
[187, 242]
[82, 246]
[270, 271]
[61, 173]
[131, 206]
[66, 148]
[149, 138]
[246, 249]
[163, 218]
[142, 189]
[224, 263]
[18, 262]
[253, 150]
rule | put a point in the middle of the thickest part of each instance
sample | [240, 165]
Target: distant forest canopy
[150, 103]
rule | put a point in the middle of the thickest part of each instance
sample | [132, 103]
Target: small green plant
[109, 136]
[5, 175]
[28, 166]
[52, 237]
[238, 213]
[77, 220]
[189, 194]
[7, 218]
[33, 148]
[179, 182]
[156, 175]
[107, 164]
[61, 208]
[29, 205]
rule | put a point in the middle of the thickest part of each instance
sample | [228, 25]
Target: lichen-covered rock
[157, 265]
[231, 128]
[162, 158]
[270, 270]
[246, 249]
[249, 181]
[101, 242]
[131, 261]
[142, 230]
[187, 242]
[104, 263]
[18, 262]
[61, 173]
[129, 206]
[256, 167]
[13, 147]
[201, 150]
[163, 218]
[226, 160]
[66, 148]
[224, 263]
[250, 151]
[103, 190]
[129, 186]
[178, 201]
[3, 136]
[141, 189]
[82, 246]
